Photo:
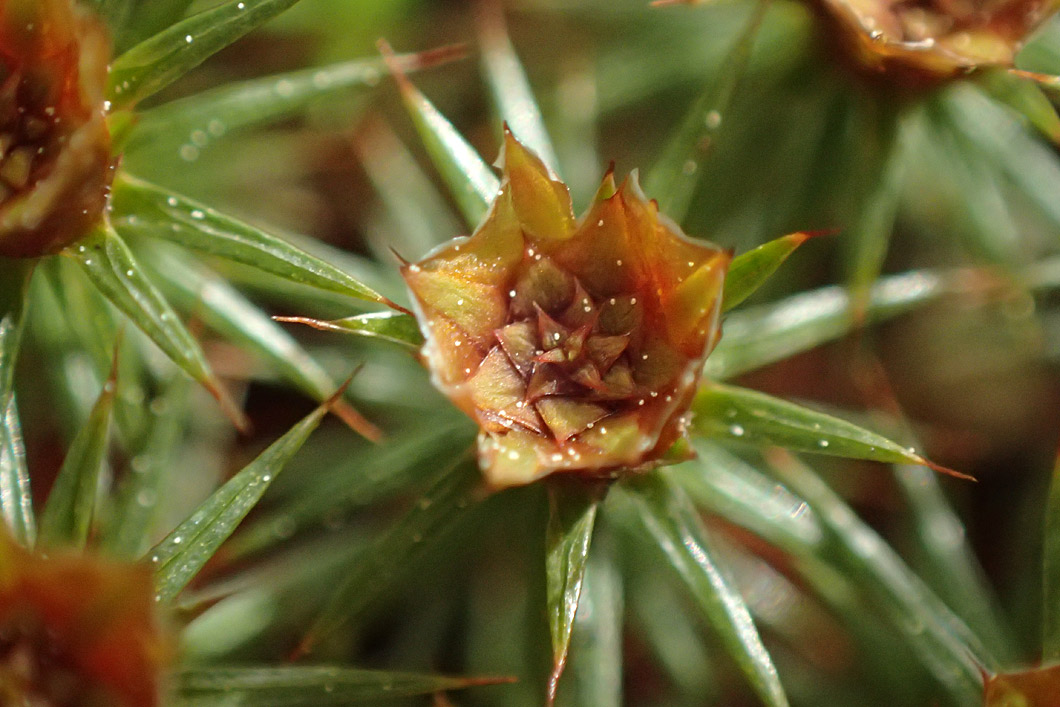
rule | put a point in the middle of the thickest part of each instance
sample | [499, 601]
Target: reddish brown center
[31, 131]
[564, 361]
[34, 670]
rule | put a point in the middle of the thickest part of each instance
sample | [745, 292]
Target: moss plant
[651, 455]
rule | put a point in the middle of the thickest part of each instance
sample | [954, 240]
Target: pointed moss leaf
[140, 494]
[943, 643]
[67, 516]
[729, 412]
[374, 571]
[145, 209]
[197, 121]
[510, 89]
[226, 311]
[1051, 572]
[110, 265]
[16, 502]
[761, 335]
[572, 513]
[180, 556]
[669, 518]
[394, 327]
[749, 271]
[470, 180]
[308, 686]
[593, 675]
[673, 177]
[156, 62]
[727, 486]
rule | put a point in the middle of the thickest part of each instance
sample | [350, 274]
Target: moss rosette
[576, 344]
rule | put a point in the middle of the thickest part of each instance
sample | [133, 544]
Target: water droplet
[197, 214]
[188, 38]
[178, 540]
[822, 443]
[737, 431]
[713, 120]
[189, 153]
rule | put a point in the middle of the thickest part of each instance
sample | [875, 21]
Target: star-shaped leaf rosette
[589, 353]
[577, 345]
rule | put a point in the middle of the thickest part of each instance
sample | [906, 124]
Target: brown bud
[576, 344]
[55, 162]
[77, 630]
[924, 41]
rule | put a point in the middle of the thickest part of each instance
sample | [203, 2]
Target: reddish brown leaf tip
[233, 412]
[349, 415]
[947, 471]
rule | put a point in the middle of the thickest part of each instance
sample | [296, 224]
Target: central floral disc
[576, 345]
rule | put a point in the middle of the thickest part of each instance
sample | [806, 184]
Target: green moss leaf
[668, 517]
[512, 96]
[308, 686]
[394, 327]
[758, 336]
[156, 62]
[572, 514]
[374, 571]
[68, 514]
[144, 209]
[180, 556]
[749, 271]
[111, 266]
[470, 180]
[16, 501]
[728, 412]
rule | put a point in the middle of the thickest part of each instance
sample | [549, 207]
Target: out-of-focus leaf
[989, 129]
[110, 265]
[180, 556]
[572, 514]
[512, 96]
[394, 327]
[731, 488]
[145, 209]
[728, 412]
[761, 335]
[1051, 572]
[68, 514]
[415, 216]
[594, 667]
[16, 501]
[308, 686]
[141, 492]
[749, 271]
[371, 576]
[359, 481]
[191, 124]
[952, 569]
[1025, 98]
[673, 178]
[470, 180]
[870, 235]
[228, 312]
[669, 518]
[945, 645]
[158, 61]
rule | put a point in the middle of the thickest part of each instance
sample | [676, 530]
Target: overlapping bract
[576, 344]
[928, 40]
[76, 630]
[55, 161]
